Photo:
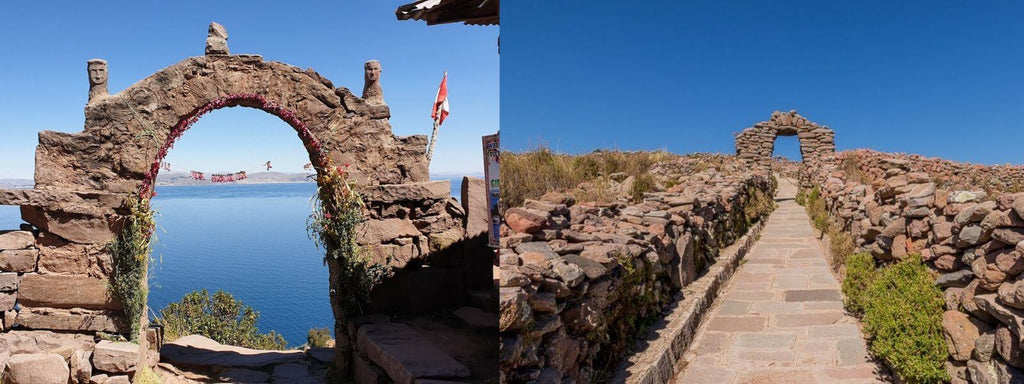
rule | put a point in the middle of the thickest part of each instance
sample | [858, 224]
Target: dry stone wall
[54, 274]
[578, 278]
[756, 144]
[898, 206]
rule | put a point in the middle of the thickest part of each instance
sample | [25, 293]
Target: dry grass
[531, 174]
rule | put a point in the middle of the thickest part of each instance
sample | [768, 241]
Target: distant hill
[183, 178]
[17, 183]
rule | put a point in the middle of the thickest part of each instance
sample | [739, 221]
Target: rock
[513, 308]
[119, 379]
[385, 230]
[244, 375]
[1008, 347]
[115, 357]
[197, 350]
[998, 218]
[525, 220]
[1012, 317]
[984, 346]
[23, 260]
[9, 281]
[1018, 207]
[474, 202]
[60, 291]
[396, 193]
[960, 331]
[75, 319]
[1010, 236]
[981, 373]
[36, 342]
[591, 268]
[971, 235]
[476, 317]
[543, 302]
[405, 355]
[957, 197]
[1012, 294]
[81, 368]
[955, 279]
[569, 273]
[36, 369]
[16, 240]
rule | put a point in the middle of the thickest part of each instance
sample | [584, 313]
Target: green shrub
[220, 317]
[319, 337]
[903, 314]
[801, 197]
[860, 273]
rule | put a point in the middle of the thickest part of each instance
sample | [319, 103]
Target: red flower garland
[246, 100]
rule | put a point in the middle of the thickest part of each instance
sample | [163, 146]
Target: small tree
[319, 337]
[220, 317]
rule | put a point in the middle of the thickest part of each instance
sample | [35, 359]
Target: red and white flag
[441, 103]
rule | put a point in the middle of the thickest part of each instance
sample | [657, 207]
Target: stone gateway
[756, 144]
[57, 268]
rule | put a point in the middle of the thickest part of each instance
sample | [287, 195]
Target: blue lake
[249, 240]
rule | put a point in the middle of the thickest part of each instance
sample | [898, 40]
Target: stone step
[196, 350]
[406, 355]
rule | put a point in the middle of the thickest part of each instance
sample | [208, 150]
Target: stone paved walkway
[781, 318]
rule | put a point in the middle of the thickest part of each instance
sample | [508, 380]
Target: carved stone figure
[372, 92]
[97, 70]
[217, 40]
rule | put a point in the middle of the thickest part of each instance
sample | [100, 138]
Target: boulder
[36, 369]
[960, 331]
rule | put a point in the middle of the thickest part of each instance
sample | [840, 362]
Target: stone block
[16, 240]
[66, 291]
[22, 260]
[115, 357]
[76, 319]
[36, 369]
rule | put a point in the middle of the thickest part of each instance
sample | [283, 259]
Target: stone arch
[756, 144]
[83, 181]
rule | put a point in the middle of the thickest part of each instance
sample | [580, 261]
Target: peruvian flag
[441, 103]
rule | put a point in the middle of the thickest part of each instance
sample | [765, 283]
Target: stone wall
[756, 144]
[578, 278]
[898, 206]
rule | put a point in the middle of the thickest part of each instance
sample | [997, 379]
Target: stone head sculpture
[217, 40]
[371, 87]
[97, 70]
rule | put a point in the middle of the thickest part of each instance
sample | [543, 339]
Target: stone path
[781, 318]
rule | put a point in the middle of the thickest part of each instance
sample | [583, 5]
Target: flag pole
[433, 140]
[433, 135]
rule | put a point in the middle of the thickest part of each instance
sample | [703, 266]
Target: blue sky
[939, 78]
[43, 83]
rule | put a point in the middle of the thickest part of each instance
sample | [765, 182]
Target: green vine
[131, 254]
[337, 213]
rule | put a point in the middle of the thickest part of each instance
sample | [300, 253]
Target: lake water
[249, 240]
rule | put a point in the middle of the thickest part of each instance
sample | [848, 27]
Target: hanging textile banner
[307, 167]
[165, 165]
[196, 175]
[228, 177]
